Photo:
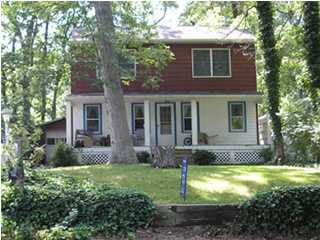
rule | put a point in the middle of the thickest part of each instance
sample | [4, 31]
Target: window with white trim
[92, 118]
[211, 62]
[138, 117]
[186, 117]
[237, 117]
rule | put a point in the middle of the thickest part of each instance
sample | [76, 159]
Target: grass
[206, 184]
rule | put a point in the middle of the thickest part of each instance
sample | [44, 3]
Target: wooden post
[68, 123]
[194, 122]
[147, 140]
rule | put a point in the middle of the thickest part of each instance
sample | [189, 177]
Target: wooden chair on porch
[83, 138]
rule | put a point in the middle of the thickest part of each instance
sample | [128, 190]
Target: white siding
[213, 119]
[54, 133]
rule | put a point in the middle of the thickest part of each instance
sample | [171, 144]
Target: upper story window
[92, 118]
[237, 116]
[186, 117]
[138, 116]
[211, 62]
[127, 66]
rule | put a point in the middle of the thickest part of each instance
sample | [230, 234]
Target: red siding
[177, 76]
[60, 124]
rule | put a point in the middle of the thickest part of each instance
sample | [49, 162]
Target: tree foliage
[294, 79]
[272, 65]
[312, 44]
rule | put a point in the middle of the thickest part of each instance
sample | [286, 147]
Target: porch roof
[180, 95]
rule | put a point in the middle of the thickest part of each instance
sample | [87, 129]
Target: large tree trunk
[43, 90]
[121, 143]
[312, 45]
[272, 65]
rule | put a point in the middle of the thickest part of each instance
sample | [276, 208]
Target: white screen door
[165, 124]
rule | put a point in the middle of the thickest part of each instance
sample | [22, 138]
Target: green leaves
[52, 206]
[283, 209]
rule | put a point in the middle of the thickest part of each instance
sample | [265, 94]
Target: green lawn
[206, 184]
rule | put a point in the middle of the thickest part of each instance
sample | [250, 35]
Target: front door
[165, 124]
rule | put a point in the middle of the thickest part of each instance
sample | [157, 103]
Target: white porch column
[194, 115]
[147, 123]
[68, 122]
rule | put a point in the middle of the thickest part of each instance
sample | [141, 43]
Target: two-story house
[207, 100]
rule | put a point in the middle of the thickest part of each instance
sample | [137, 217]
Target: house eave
[202, 41]
[169, 95]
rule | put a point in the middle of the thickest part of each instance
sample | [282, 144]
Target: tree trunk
[272, 65]
[27, 47]
[4, 81]
[312, 45]
[164, 157]
[43, 90]
[121, 143]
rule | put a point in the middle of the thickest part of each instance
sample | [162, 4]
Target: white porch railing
[225, 154]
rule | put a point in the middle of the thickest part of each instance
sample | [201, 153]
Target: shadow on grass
[206, 184]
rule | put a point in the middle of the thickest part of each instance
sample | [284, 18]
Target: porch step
[180, 153]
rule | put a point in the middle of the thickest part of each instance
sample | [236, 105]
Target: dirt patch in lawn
[204, 233]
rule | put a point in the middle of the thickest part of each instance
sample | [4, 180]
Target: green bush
[52, 205]
[203, 157]
[64, 156]
[266, 154]
[143, 157]
[283, 210]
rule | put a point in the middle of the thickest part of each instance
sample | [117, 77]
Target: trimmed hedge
[283, 210]
[55, 204]
[64, 156]
[203, 157]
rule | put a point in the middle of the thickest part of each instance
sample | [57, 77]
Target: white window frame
[244, 117]
[183, 117]
[211, 67]
[134, 105]
[99, 118]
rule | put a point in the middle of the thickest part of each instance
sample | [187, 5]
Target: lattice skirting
[237, 157]
[95, 157]
[223, 156]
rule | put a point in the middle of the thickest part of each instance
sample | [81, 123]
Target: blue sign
[184, 171]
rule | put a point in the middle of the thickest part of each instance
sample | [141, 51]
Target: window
[92, 118]
[186, 117]
[50, 141]
[127, 67]
[237, 117]
[208, 62]
[220, 63]
[201, 63]
[53, 141]
[165, 120]
[60, 140]
[138, 116]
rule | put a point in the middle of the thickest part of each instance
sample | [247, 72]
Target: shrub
[64, 156]
[283, 209]
[143, 157]
[54, 205]
[266, 154]
[203, 157]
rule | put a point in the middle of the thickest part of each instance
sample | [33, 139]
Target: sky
[172, 15]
